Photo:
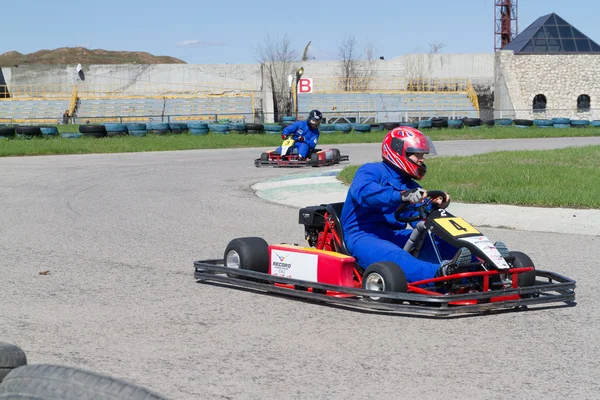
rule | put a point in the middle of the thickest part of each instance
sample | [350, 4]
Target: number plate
[288, 143]
[456, 226]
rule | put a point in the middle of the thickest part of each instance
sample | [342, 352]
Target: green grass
[548, 178]
[42, 146]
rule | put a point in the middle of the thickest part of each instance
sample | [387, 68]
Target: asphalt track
[118, 234]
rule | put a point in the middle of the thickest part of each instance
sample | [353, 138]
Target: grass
[58, 145]
[548, 178]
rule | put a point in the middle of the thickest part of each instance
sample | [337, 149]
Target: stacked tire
[542, 123]
[28, 131]
[114, 130]
[327, 128]
[595, 123]
[135, 129]
[255, 128]
[159, 128]
[344, 128]
[222, 129]
[388, 126]
[561, 122]
[455, 123]
[503, 122]
[361, 128]
[523, 123]
[472, 122]
[198, 128]
[49, 131]
[7, 132]
[272, 129]
[424, 124]
[439, 122]
[95, 131]
[237, 127]
[178, 128]
[580, 123]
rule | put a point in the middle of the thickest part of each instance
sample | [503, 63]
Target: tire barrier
[344, 128]
[115, 128]
[595, 123]
[254, 127]
[197, 125]
[327, 128]
[361, 128]
[97, 131]
[561, 125]
[523, 123]
[455, 123]
[542, 123]
[116, 134]
[376, 127]
[438, 122]
[219, 128]
[489, 122]
[388, 126]
[424, 124]
[49, 130]
[7, 131]
[273, 128]
[561, 121]
[472, 122]
[416, 124]
[28, 130]
[54, 382]
[178, 127]
[71, 135]
[237, 127]
[158, 128]
[288, 118]
[503, 122]
[135, 127]
[579, 123]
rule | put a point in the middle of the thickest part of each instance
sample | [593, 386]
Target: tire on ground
[29, 130]
[249, 253]
[523, 260]
[55, 382]
[97, 131]
[384, 276]
[11, 357]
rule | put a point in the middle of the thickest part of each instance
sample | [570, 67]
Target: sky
[231, 31]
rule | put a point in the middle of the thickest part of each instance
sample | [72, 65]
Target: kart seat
[335, 211]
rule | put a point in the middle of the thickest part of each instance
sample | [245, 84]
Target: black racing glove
[413, 196]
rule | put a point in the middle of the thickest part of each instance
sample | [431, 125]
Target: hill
[81, 55]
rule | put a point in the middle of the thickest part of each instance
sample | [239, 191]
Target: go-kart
[326, 272]
[288, 156]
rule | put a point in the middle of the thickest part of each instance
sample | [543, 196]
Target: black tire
[388, 126]
[29, 130]
[336, 154]
[55, 382]
[386, 276]
[160, 131]
[472, 122]
[97, 131]
[523, 122]
[522, 260]
[489, 122]
[7, 131]
[249, 253]
[264, 157]
[439, 122]
[254, 131]
[11, 357]
[255, 127]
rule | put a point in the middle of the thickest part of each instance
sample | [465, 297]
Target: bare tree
[357, 66]
[418, 66]
[279, 61]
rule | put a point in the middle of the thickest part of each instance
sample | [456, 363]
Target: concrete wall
[561, 78]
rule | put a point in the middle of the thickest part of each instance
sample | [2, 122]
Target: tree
[357, 67]
[418, 65]
[278, 60]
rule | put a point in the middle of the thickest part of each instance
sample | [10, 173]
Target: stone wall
[560, 78]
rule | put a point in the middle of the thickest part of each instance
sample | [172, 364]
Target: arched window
[539, 103]
[583, 103]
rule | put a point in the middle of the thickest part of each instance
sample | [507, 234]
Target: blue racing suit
[371, 231]
[302, 128]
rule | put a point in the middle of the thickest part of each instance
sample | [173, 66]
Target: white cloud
[200, 43]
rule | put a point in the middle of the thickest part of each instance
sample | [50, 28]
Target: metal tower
[506, 26]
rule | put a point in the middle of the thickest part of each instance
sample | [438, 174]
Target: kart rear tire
[522, 260]
[336, 155]
[11, 357]
[314, 159]
[249, 253]
[384, 276]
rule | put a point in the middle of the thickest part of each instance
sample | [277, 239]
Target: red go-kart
[288, 156]
[326, 272]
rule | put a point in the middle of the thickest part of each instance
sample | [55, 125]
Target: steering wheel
[423, 208]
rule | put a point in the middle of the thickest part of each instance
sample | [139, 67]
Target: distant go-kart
[326, 272]
[288, 156]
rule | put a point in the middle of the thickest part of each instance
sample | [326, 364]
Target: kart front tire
[522, 260]
[264, 157]
[384, 276]
[249, 253]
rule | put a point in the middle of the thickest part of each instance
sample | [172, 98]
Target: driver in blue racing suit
[306, 133]
[371, 231]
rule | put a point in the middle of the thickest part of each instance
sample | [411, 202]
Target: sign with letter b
[305, 85]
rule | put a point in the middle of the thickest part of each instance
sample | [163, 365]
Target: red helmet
[399, 144]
